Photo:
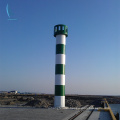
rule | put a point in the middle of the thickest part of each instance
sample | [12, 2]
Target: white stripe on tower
[60, 59]
[59, 79]
[61, 39]
[60, 32]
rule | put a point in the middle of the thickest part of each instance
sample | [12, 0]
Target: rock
[31, 98]
[39, 103]
[10, 103]
[72, 103]
[23, 99]
[43, 103]
[5, 97]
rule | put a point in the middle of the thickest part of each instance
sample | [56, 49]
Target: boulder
[72, 103]
[39, 103]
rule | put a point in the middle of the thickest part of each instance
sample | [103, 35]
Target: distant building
[13, 92]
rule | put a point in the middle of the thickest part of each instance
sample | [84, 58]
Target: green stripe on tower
[60, 49]
[59, 90]
[60, 69]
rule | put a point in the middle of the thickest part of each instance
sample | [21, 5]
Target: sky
[27, 45]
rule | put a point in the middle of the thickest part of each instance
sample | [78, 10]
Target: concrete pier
[30, 113]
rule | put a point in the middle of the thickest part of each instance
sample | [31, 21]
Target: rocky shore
[47, 100]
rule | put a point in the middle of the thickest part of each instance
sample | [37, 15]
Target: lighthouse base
[59, 101]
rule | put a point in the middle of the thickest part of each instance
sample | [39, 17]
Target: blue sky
[27, 45]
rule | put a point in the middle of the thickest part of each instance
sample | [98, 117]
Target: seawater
[115, 108]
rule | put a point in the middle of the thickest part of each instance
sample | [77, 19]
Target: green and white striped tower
[60, 32]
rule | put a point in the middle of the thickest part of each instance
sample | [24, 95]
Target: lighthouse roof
[60, 29]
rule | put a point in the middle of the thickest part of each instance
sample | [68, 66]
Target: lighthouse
[60, 32]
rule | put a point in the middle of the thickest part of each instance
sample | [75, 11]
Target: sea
[115, 108]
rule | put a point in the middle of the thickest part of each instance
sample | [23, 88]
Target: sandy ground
[9, 113]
